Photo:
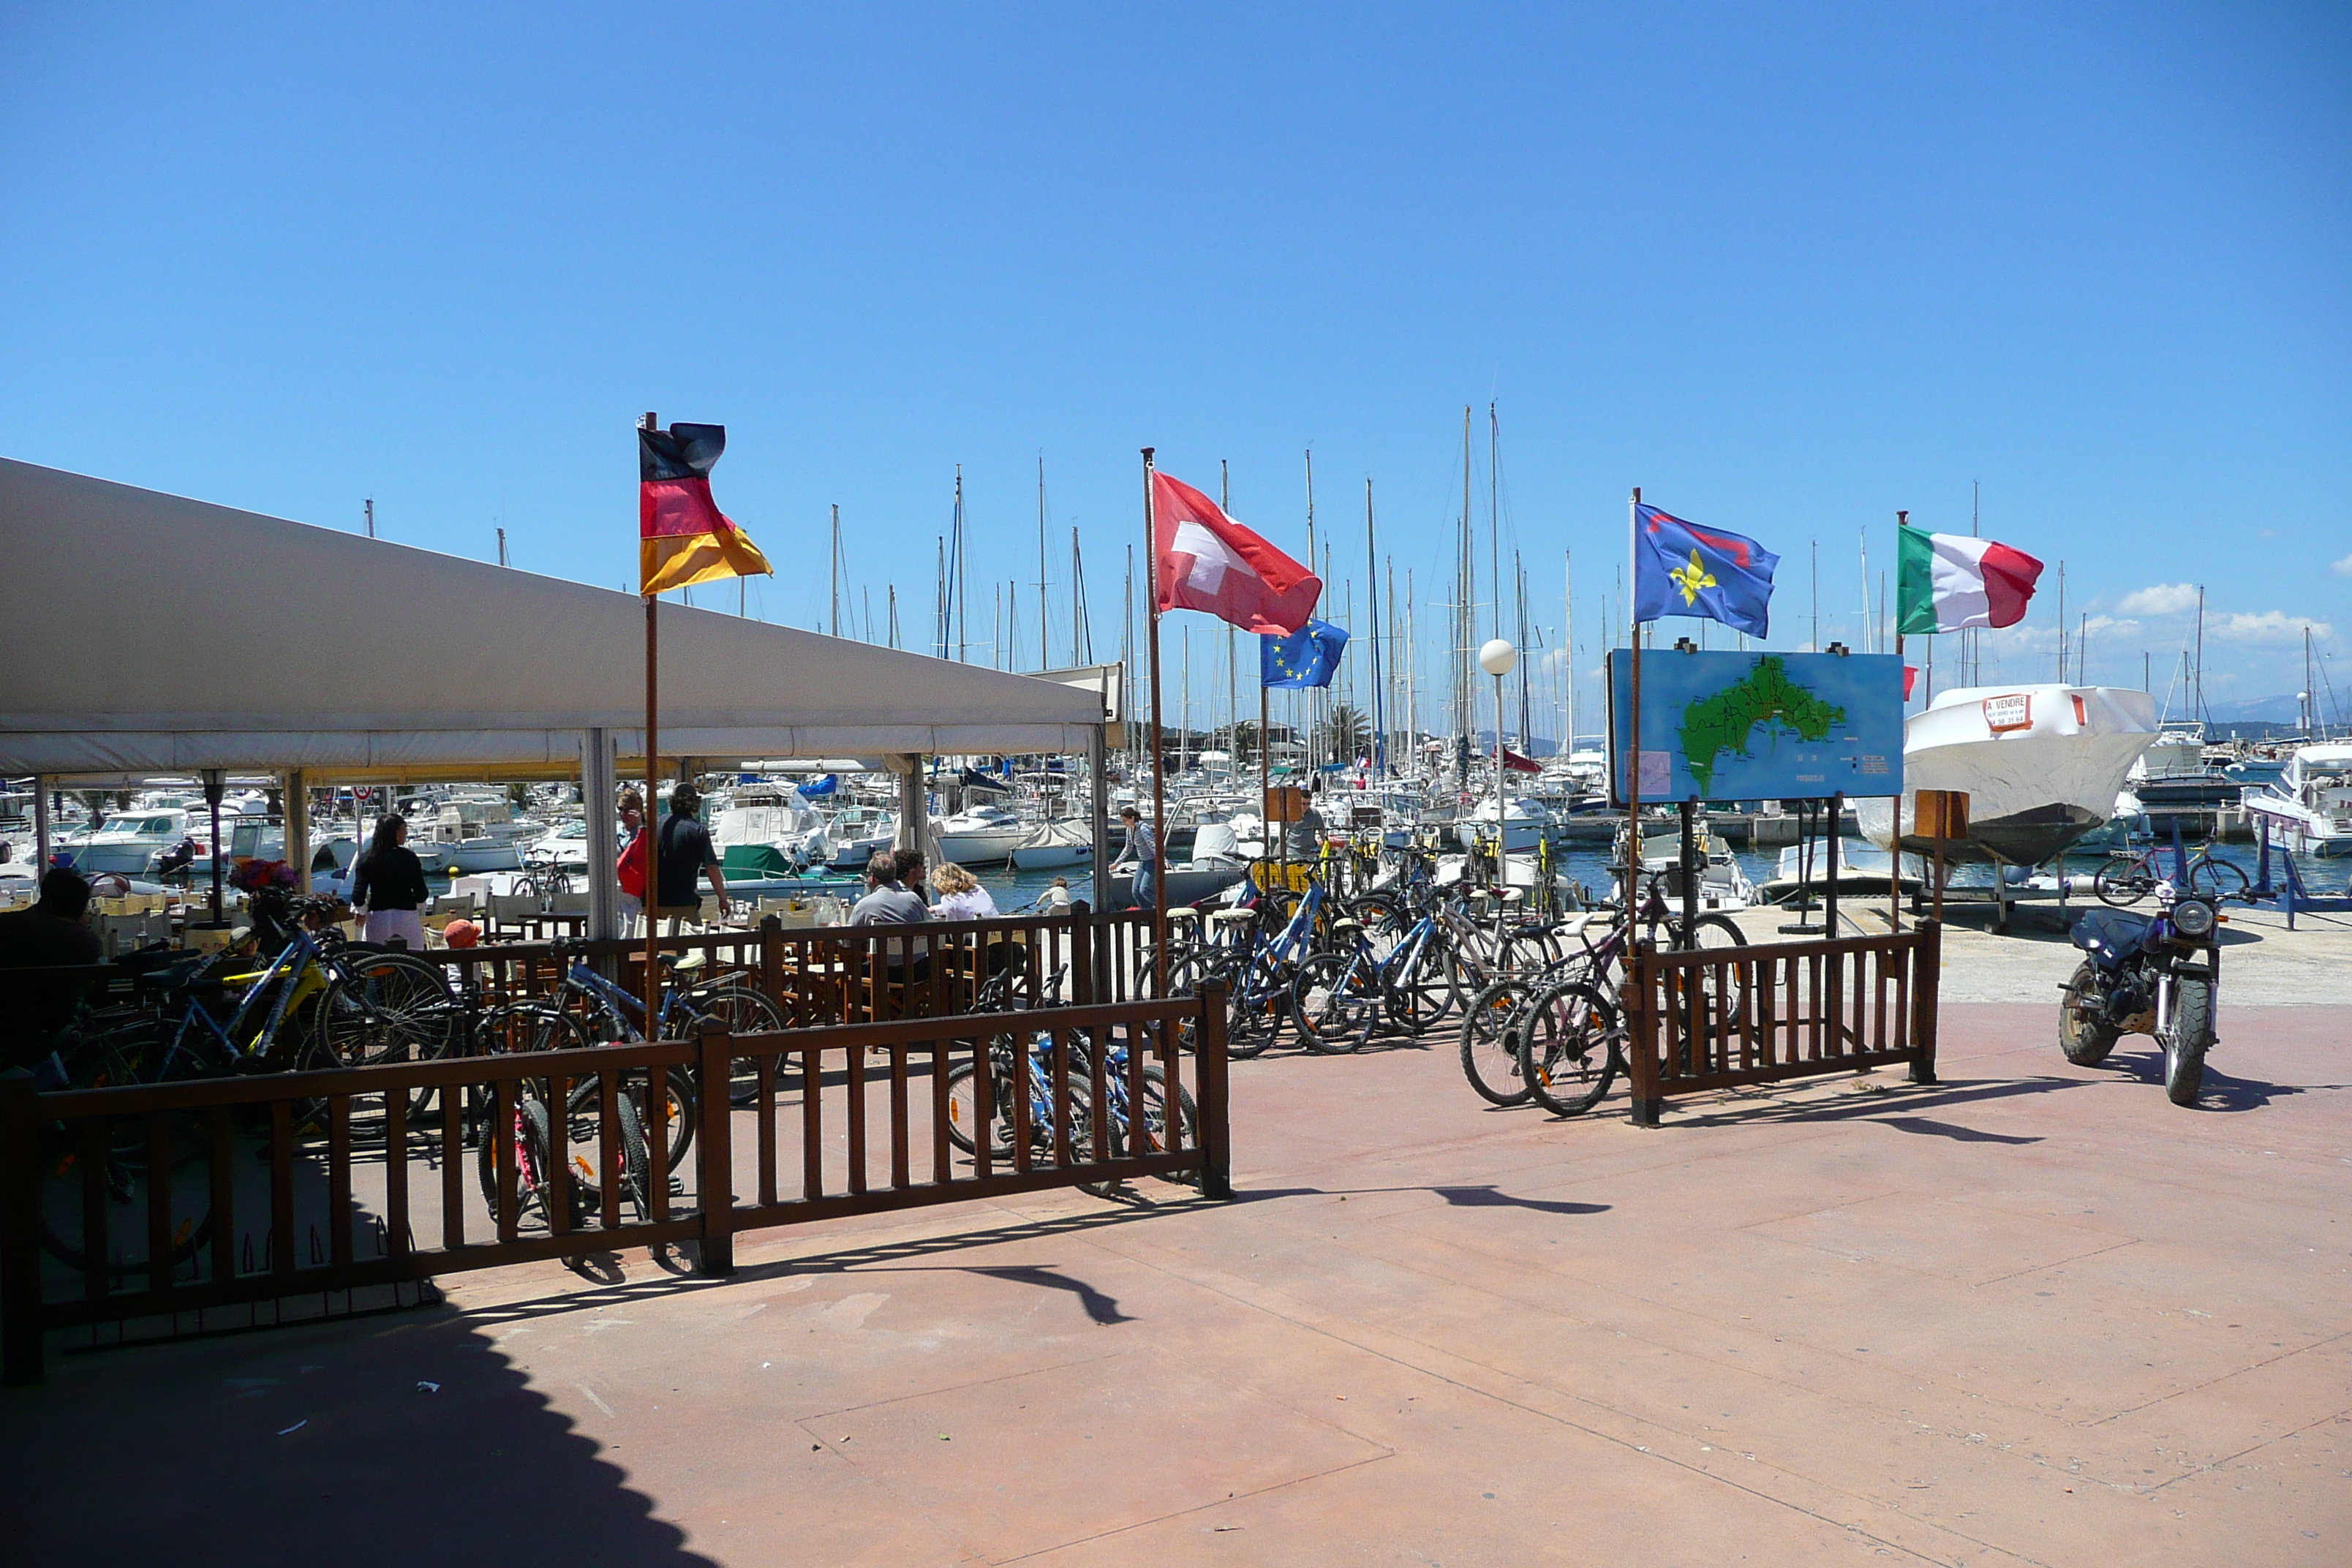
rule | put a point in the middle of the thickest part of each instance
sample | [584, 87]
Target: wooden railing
[1719, 1018]
[353, 1188]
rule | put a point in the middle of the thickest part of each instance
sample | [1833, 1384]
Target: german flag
[682, 536]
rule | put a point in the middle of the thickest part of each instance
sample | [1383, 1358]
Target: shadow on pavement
[1762, 1110]
[1484, 1197]
[415, 1443]
[1101, 1307]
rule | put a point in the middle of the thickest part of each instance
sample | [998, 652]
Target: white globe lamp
[1498, 657]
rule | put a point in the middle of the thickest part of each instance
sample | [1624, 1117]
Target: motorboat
[770, 830]
[475, 833]
[981, 836]
[1723, 882]
[1051, 845]
[2309, 807]
[129, 844]
[2041, 766]
[855, 832]
[1803, 871]
[1525, 823]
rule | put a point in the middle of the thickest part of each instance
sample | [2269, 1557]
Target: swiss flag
[1209, 562]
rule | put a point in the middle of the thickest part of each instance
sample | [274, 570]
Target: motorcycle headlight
[2193, 917]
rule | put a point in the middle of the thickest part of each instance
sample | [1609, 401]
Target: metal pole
[43, 846]
[1159, 761]
[1633, 726]
[653, 808]
[1502, 821]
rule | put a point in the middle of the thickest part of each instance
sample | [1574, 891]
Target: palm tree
[1239, 738]
[1345, 735]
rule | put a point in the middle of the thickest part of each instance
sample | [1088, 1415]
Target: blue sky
[1787, 268]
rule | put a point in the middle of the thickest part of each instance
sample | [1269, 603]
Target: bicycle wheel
[127, 1177]
[347, 1029]
[1568, 1050]
[1490, 1041]
[528, 1135]
[2124, 883]
[631, 1161]
[963, 1108]
[1158, 1140]
[1256, 1011]
[1335, 999]
[744, 1012]
[1417, 995]
[1709, 931]
[2218, 878]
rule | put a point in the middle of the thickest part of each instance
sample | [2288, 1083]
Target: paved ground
[2035, 1314]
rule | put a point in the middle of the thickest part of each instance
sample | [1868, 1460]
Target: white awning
[154, 634]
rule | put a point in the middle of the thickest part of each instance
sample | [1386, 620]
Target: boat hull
[2034, 787]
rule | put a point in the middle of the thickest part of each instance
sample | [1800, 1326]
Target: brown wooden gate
[296, 1184]
[1718, 1018]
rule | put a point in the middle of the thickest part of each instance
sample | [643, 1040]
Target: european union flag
[1681, 570]
[1307, 657]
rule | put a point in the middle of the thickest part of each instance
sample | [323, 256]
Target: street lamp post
[1499, 658]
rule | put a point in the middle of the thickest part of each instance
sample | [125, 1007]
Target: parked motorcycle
[2146, 975]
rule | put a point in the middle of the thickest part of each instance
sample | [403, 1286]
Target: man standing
[50, 934]
[1143, 848]
[685, 851]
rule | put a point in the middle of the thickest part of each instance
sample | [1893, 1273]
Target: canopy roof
[154, 634]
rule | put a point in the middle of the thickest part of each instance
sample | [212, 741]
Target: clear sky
[1789, 268]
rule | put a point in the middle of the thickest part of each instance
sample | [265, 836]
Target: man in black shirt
[50, 934]
[685, 850]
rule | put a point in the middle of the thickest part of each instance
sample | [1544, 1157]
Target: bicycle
[2126, 881]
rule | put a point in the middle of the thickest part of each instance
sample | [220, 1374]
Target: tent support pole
[297, 790]
[1099, 836]
[44, 836]
[599, 786]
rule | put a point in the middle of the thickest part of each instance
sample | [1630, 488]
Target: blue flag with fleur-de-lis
[1683, 569]
[1308, 656]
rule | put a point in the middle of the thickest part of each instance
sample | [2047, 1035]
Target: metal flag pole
[1895, 857]
[1633, 720]
[652, 900]
[1159, 757]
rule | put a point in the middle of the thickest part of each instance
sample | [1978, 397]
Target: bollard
[715, 1171]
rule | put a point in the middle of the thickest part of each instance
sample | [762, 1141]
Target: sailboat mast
[1567, 640]
[1372, 611]
[833, 625]
[1044, 659]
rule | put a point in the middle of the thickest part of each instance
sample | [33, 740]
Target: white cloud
[2164, 599]
[2109, 624]
[2343, 568]
[2270, 625]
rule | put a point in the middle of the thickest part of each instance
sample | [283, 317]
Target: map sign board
[1759, 726]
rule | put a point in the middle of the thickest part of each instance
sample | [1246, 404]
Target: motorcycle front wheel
[2193, 1032]
[2083, 1032]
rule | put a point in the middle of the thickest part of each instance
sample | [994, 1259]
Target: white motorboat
[474, 833]
[2309, 807]
[981, 836]
[1524, 824]
[128, 844]
[1053, 845]
[855, 832]
[2041, 766]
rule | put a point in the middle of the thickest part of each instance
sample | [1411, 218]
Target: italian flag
[1949, 583]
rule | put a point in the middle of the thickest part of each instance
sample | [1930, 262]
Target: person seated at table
[961, 897]
[48, 933]
[890, 902]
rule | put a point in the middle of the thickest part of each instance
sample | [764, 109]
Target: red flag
[1209, 562]
[1910, 675]
[1520, 765]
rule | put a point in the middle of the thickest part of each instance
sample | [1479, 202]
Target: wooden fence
[1718, 1018]
[854, 975]
[361, 1162]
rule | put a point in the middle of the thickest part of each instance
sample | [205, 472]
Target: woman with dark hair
[388, 883]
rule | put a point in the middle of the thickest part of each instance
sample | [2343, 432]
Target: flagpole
[1894, 876]
[652, 900]
[1634, 717]
[1159, 759]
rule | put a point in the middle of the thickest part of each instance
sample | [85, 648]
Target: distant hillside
[2257, 710]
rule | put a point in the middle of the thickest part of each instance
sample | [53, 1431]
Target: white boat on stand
[2309, 807]
[2041, 766]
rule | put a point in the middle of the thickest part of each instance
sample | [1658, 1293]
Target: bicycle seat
[687, 963]
[1183, 912]
[1342, 928]
[1573, 926]
[1232, 917]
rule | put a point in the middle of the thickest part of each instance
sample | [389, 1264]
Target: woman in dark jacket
[388, 882]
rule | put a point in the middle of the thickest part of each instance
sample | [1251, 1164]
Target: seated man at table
[891, 902]
[50, 934]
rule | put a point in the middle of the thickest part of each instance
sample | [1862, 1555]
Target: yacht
[474, 833]
[770, 830]
[1524, 824]
[1051, 845]
[855, 832]
[129, 843]
[981, 836]
[2041, 766]
[2309, 807]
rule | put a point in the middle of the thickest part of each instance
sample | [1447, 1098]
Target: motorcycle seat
[2111, 935]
